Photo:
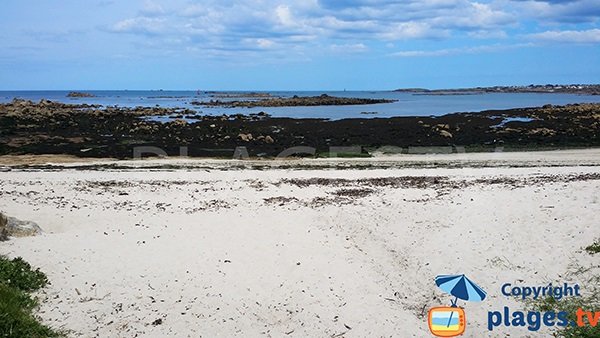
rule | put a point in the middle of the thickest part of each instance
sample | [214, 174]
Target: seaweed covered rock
[80, 94]
[295, 101]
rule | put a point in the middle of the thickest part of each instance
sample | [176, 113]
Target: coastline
[581, 89]
[89, 131]
[299, 169]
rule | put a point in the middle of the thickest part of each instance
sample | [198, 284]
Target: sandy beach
[319, 248]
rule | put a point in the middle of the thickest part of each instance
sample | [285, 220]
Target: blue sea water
[505, 120]
[443, 321]
[407, 104]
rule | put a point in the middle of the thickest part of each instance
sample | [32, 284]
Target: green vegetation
[589, 301]
[570, 306]
[594, 248]
[17, 279]
[18, 274]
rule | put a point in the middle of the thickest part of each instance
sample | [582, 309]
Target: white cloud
[152, 8]
[458, 51]
[304, 27]
[417, 53]
[473, 16]
[488, 34]
[349, 48]
[140, 25]
[412, 30]
[194, 10]
[557, 11]
[384, 20]
[284, 15]
[264, 43]
[584, 36]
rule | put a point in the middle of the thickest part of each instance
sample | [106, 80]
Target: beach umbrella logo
[460, 287]
[450, 321]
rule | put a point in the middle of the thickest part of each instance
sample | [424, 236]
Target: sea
[406, 104]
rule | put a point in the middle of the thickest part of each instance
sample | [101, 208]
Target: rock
[179, 123]
[269, 139]
[245, 137]
[3, 231]
[542, 131]
[322, 100]
[445, 133]
[12, 227]
[80, 94]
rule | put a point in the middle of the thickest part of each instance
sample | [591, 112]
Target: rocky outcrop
[241, 95]
[245, 137]
[3, 231]
[295, 101]
[13, 227]
[442, 129]
[80, 94]
[47, 127]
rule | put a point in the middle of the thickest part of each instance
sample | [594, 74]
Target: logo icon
[447, 321]
[450, 321]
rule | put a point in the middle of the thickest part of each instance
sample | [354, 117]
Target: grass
[570, 305]
[17, 280]
[594, 248]
[17, 273]
[587, 302]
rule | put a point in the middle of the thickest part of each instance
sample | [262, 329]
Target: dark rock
[80, 94]
[295, 101]
[87, 131]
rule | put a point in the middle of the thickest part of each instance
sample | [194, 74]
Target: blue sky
[296, 45]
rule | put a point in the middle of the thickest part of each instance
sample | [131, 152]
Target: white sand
[201, 249]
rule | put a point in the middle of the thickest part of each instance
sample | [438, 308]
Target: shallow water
[407, 104]
[505, 120]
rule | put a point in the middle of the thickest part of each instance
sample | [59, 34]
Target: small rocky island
[228, 95]
[294, 101]
[80, 94]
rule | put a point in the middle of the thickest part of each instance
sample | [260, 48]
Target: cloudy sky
[296, 45]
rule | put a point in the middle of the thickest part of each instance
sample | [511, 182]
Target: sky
[296, 45]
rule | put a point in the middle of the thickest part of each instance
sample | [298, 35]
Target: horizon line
[307, 90]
